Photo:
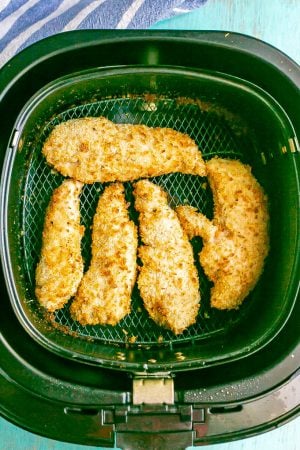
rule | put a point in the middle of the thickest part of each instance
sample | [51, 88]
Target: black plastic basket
[230, 380]
[226, 116]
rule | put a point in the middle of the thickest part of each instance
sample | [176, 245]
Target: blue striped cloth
[23, 22]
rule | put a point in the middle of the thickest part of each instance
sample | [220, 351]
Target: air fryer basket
[90, 404]
[227, 117]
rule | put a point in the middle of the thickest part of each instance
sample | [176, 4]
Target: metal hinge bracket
[153, 391]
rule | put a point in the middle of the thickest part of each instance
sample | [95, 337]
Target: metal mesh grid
[213, 136]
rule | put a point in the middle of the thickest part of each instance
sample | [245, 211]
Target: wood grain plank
[286, 437]
[274, 21]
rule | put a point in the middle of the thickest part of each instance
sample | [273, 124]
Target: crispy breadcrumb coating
[168, 279]
[95, 149]
[60, 268]
[236, 242]
[104, 294]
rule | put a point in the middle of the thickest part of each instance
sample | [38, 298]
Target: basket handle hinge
[154, 390]
[153, 420]
[155, 426]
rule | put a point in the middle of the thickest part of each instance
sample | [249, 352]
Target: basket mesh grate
[213, 136]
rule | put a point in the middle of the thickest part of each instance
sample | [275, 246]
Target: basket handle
[155, 426]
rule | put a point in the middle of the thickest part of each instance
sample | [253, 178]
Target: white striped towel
[23, 22]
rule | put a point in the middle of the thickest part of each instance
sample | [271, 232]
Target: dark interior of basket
[228, 118]
[213, 136]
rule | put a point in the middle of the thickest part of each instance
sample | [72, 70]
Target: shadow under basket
[227, 117]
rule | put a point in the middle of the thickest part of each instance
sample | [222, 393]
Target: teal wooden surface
[286, 437]
[278, 23]
[274, 21]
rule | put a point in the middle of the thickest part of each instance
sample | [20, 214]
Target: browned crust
[236, 242]
[168, 279]
[104, 294]
[60, 268]
[95, 149]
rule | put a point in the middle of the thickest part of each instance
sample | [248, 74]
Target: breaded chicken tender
[168, 279]
[60, 268]
[104, 294]
[236, 241]
[95, 149]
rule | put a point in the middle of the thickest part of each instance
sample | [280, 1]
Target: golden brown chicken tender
[236, 241]
[168, 279]
[104, 294]
[60, 268]
[95, 149]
